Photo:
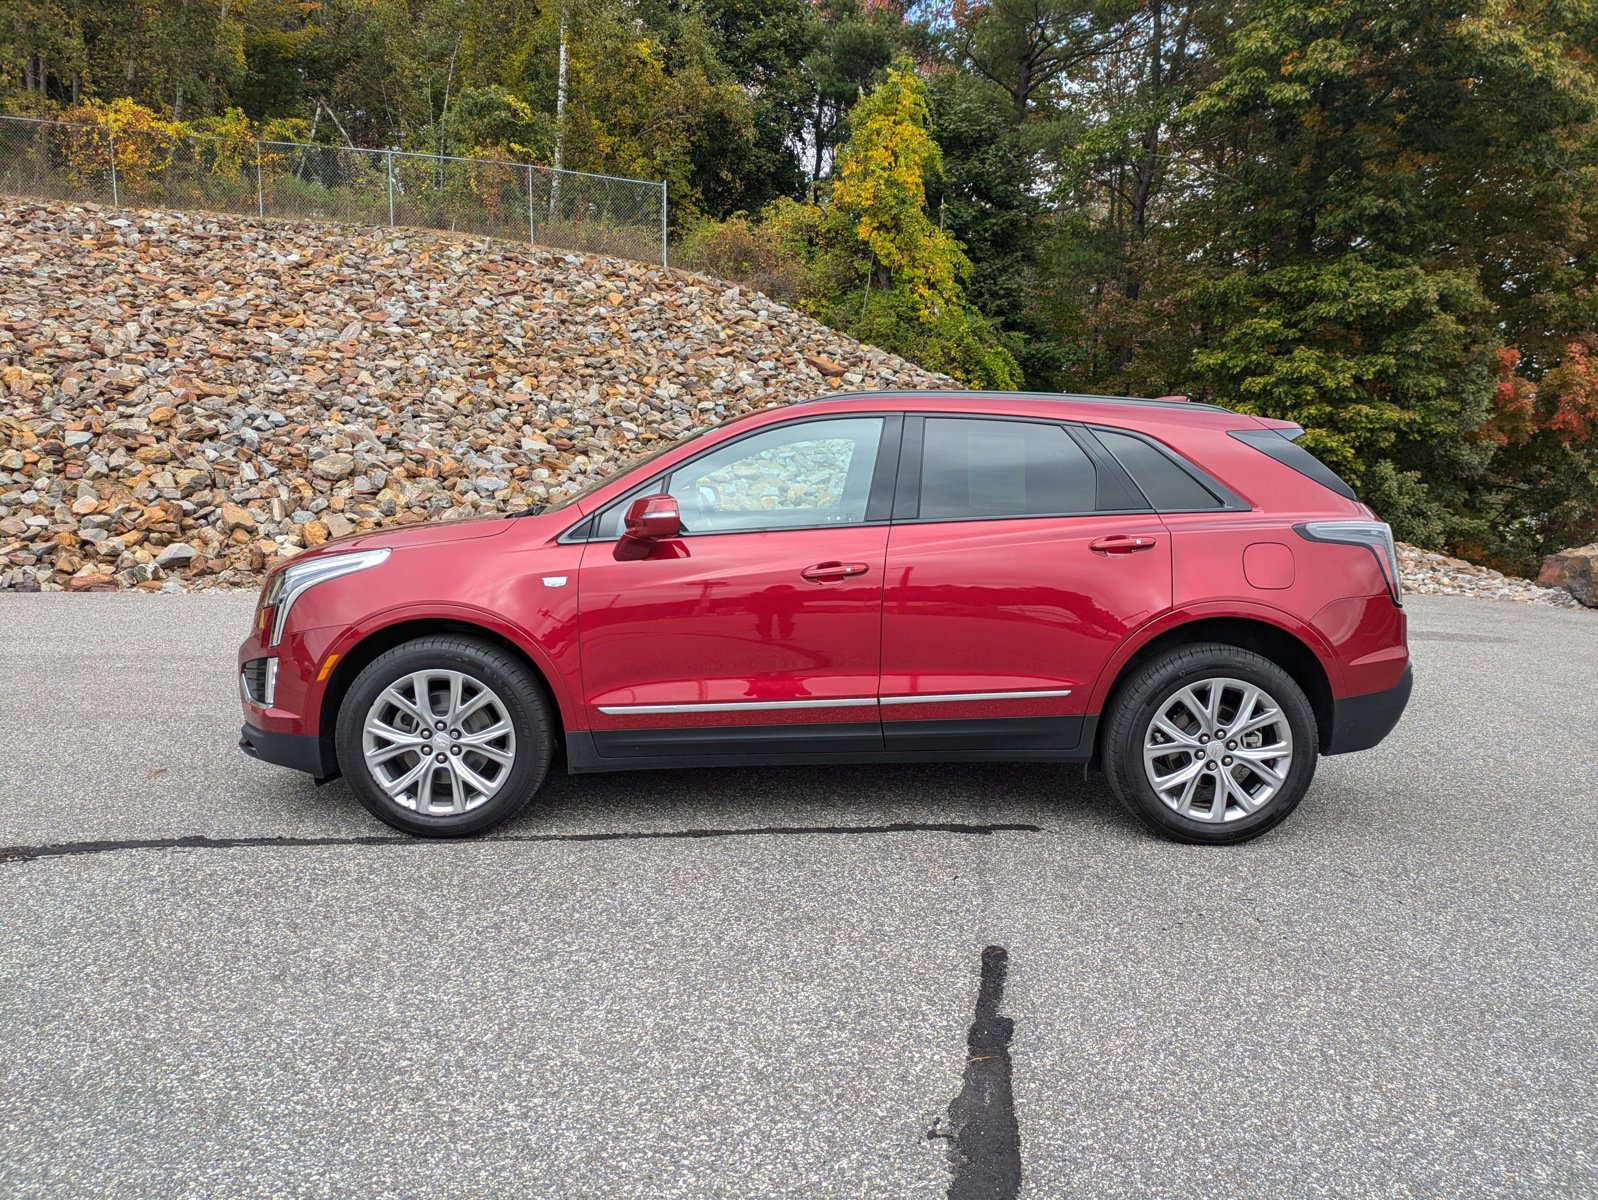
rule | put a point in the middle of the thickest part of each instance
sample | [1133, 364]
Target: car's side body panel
[1013, 617]
[727, 630]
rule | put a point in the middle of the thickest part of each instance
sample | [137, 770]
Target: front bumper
[299, 751]
[1360, 722]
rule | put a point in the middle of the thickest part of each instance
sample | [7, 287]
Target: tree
[1344, 138]
[1029, 47]
[915, 268]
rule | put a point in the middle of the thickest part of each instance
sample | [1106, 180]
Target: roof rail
[971, 393]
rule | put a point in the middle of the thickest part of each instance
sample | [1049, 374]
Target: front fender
[553, 655]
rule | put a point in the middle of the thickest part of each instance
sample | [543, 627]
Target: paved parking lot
[770, 983]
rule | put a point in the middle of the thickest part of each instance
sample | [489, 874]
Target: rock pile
[186, 398]
[1427, 573]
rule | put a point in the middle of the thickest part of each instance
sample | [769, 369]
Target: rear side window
[973, 469]
[1168, 483]
[1279, 444]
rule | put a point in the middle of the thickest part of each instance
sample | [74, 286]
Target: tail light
[1375, 536]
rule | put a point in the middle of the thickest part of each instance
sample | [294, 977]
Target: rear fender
[1110, 674]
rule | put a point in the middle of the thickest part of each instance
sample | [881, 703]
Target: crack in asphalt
[18, 854]
[981, 1128]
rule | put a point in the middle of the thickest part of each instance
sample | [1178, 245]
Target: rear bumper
[299, 751]
[1360, 722]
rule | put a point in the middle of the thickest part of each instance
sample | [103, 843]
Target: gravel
[1427, 573]
[250, 389]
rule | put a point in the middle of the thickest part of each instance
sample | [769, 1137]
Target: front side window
[795, 476]
[973, 469]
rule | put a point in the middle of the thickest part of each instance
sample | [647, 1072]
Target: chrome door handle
[1121, 543]
[831, 572]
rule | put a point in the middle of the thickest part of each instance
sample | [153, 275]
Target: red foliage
[1514, 416]
[1564, 402]
[1573, 388]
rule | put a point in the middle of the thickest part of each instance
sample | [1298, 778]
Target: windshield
[626, 468]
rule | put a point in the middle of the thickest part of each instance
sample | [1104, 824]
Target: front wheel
[1211, 743]
[444, 736]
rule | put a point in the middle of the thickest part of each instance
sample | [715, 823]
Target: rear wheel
[444, 736]
[1211, 743]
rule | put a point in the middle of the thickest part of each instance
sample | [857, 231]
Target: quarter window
[973, 469]
[1169, 486]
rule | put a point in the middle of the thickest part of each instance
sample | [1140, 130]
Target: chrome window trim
[571, 536]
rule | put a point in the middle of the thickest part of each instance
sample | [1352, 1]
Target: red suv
[1173, 591]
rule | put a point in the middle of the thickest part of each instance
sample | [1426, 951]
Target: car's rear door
[1020, 557]
[758, 631]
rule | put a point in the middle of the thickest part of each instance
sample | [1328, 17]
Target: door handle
[1121, 543]
[831, 572]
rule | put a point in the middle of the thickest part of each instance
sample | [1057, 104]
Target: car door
[758, 630]
[1020, 557]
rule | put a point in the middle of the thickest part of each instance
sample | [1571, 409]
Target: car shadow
[1046, 795]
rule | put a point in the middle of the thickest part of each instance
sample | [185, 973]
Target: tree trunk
[560, 119]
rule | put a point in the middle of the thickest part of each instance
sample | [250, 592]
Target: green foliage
[489, 122]
[1379, 364]
[775, 253]
[957, 341]
[1363, 255]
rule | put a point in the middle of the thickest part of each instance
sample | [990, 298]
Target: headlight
[294, 580]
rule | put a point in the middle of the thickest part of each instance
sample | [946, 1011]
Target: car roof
[1000, 399]
[1051, 405]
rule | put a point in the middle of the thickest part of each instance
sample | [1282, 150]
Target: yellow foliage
[143, 143]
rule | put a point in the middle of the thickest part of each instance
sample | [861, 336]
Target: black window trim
[878, 495]
[907, 498]
[1278, 444]
[1229, 501]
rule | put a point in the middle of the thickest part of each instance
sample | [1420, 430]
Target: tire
[1172, 701]
[478, 771]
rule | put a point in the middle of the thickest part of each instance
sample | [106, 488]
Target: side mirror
[653, 518]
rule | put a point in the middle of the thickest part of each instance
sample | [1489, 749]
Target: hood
[424, 533]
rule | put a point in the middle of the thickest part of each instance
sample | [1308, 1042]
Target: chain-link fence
[574, 210]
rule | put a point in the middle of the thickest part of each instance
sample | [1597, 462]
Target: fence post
[532, 232]
[116, 193]
[260, 188]
[663, 264]
[391, 189]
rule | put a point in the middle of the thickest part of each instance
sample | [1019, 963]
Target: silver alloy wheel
[1218, 749]
[439, 742]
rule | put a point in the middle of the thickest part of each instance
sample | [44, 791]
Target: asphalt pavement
[773, 983]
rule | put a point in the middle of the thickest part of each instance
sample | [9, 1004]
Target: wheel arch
[353, 660]
[1295, 654]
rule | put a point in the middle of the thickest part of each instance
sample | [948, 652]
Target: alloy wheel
[1217, 750]
[439, 742]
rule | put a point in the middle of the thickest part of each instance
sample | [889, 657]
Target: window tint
[972, 469]
[1169, 486]
[1279, 445]
[795, 476]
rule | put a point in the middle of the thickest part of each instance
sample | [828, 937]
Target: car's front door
[758, 630]
[1008, 584]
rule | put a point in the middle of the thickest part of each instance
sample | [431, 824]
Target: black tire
[525, 707]
[1156, 685]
